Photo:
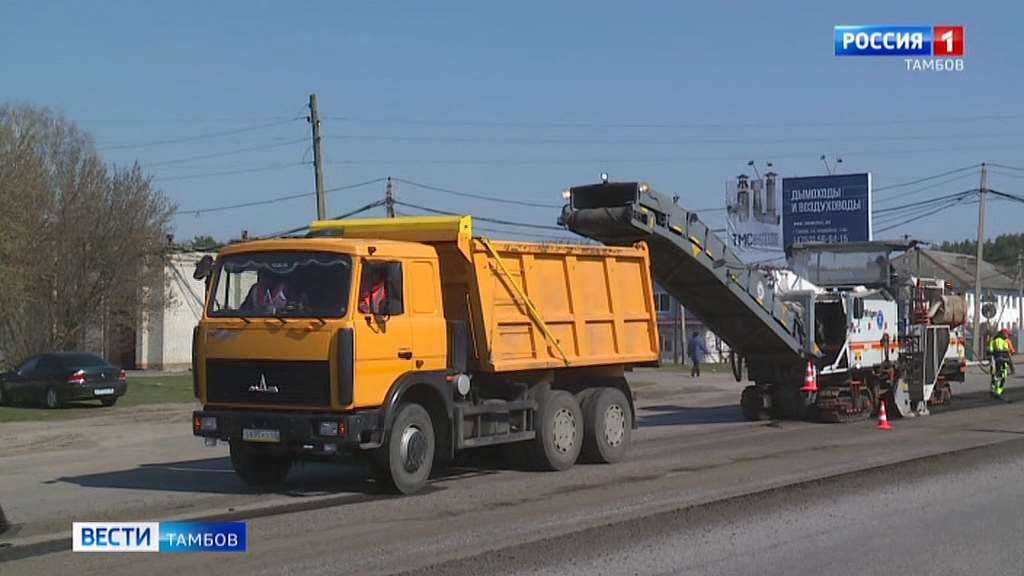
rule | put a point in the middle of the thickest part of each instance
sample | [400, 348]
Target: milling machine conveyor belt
[694, 265]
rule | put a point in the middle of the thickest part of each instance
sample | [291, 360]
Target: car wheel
[52, 401]
[109, 401]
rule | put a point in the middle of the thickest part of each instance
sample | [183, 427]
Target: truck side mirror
[203, 268]
[858, 308]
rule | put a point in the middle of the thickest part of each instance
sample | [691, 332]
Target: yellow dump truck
[405, 340]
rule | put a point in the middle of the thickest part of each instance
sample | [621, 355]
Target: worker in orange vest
[375, 295]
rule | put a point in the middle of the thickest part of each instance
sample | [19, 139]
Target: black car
[58, 377]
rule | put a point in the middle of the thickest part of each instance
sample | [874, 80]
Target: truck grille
[268, 382]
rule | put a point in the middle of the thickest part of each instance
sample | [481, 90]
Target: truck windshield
[282, 284]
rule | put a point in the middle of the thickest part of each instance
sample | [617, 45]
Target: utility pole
[977, 270]
[318, 159]
[389, 198]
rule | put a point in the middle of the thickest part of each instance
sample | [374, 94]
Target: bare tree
[77, 234]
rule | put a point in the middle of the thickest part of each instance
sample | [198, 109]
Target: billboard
[834, 208]
[753, 214]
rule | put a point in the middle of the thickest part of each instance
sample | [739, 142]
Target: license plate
[103, 391]
[258, 435]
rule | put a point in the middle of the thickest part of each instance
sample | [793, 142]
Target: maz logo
[262, 387]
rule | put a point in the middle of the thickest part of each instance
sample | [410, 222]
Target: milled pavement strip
[533, 555]
[626, 512]
[43, 544]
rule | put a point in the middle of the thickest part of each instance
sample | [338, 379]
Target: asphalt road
[950, 514]
[693, 449]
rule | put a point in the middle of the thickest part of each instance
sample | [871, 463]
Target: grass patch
[141, 390]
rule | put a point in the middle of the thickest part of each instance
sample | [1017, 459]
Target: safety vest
[999, 344]
[374, 299]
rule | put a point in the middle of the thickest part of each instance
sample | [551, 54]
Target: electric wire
[226, 153]
[198, 137]
[267, 168]
[944, 120]
[480, 218]
[477, 196]
[200, 211]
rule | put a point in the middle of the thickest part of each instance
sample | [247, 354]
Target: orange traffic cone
[810, 379]
[883, 421]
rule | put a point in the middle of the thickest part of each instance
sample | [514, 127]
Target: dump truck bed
[590, 305]
[531, 306]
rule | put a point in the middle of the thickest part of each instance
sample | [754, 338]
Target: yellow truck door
[429, 330]
[383, 333]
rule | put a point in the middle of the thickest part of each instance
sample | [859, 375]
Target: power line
[655, 141]
[477, 196]
[222, 154]
[1017, 168]
[926, 178]
[204, 136]
[944, 120]
[866, 152]
[941, 208]
[921, 202]
[267, 168]
[359, 210]
[276, 200]
[925, 188]
[481, 218]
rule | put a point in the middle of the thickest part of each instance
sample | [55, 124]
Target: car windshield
[282, 284]
[81, 360]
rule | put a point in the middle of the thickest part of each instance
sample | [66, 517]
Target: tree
[203, 242]
[77, 234]
[1001, 251]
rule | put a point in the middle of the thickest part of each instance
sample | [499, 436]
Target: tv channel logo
[937, 41]
[159, 537]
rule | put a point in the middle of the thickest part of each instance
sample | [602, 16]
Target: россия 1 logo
[938, 48]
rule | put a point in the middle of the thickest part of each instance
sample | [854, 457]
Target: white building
[163, 340]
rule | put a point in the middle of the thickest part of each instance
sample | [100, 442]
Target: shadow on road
[216, 476]
[673, 415]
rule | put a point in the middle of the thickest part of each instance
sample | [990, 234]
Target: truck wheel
[792, 402]
[559, 427]
[259, 467]
[752, 403]
[404, 461]
[607, 426]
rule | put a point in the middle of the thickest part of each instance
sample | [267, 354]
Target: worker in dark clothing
[696, 350]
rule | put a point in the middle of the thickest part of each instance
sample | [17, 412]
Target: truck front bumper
[291, 431]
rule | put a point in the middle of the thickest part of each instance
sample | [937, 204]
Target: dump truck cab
[284, 319]
[406, 340]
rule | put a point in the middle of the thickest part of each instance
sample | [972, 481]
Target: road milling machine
[859, 333]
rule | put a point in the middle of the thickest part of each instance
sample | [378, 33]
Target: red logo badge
[948, 41]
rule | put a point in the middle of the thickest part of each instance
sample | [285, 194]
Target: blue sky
[516, 100]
